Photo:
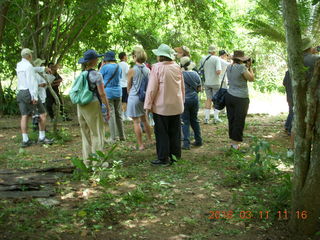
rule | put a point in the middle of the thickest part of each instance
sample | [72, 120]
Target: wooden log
[26, 194]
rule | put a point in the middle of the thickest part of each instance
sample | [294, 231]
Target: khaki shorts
[25, 105]
[211, 90]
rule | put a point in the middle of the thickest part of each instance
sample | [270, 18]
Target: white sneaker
[290, 153]
[217, 120]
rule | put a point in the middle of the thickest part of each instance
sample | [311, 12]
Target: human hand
[107, 117]
[34, 101]
[48, 70]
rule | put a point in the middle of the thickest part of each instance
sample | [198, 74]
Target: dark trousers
[288, 124]
[50, 101]
[167, 130]
[237, 109]
[190, 117]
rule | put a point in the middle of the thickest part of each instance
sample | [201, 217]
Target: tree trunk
[4, 7]
[305, 198]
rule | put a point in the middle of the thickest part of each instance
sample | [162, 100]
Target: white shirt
[41, 90]
[124, 77]
[224, 65]
[27, 79]
[212, 65]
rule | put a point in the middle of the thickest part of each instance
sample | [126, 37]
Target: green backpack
[80, 92]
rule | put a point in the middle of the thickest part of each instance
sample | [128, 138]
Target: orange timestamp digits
[221, 215]
[262, 215]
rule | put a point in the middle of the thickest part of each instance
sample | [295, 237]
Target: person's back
[113, 88]
[309, 61]
[238, 86]
[191, 83]
[170, 96]
[124, 71]
[211, 66]
[139, 73]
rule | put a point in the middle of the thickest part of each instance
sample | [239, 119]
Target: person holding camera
[237, 96]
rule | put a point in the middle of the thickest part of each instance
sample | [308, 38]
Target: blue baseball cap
[89, 55]
[110, 56]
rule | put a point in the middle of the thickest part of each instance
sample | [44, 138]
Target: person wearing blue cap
[90, 115]
[111, 73]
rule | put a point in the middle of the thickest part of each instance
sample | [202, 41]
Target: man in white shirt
[28, 97]
[212, 70]
[124, 83]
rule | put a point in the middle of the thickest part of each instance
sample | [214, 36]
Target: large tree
[306, 95]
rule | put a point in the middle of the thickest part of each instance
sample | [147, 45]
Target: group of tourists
[34, 97]
[168, 91]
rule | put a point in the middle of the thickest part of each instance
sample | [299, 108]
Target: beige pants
[92, 129]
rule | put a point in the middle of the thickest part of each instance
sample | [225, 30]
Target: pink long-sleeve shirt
[165, 93]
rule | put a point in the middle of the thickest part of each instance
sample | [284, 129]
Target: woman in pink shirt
[165, 99]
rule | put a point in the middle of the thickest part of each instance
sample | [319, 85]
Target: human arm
[152, 90]
[183, 87]
[42, 69]
[248, 74]
[130, 78]
[32, 84]
[218, 66]
[104, 99]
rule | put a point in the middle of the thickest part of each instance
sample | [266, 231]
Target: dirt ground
[147, 202]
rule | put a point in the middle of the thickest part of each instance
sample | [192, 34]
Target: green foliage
[102, 168]
[10, 106]
[282, 193]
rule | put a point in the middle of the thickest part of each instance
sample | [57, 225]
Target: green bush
[10, 106]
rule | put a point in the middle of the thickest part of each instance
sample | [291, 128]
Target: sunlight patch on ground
[285, 168]
[139, 223]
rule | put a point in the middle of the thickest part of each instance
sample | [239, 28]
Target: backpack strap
[95, 89]
[113, 75]
[202, 65]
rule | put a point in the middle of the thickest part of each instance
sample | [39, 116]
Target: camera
[249, 62]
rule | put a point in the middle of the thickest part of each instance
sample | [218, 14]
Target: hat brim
[309, 45]
[245, 58]
[83, 60]
[109, 59]
[160, 53]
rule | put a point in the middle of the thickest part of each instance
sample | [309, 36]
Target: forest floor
[211, 193]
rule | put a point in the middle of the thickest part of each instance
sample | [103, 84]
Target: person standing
[55, 86]
[165, 98]
[288, 87]
[192, 83]
[237, 96]
[28, 97]
[124, 83]
[182, 51]
[135, 107]
[90, 115]
[212, 70]
[111, 73]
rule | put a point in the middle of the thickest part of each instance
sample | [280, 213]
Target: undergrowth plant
[103, 168]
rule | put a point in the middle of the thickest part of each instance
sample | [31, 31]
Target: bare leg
[208, 104]
[146, 127]
[138, 132]
[42, 123]
[24, 123]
